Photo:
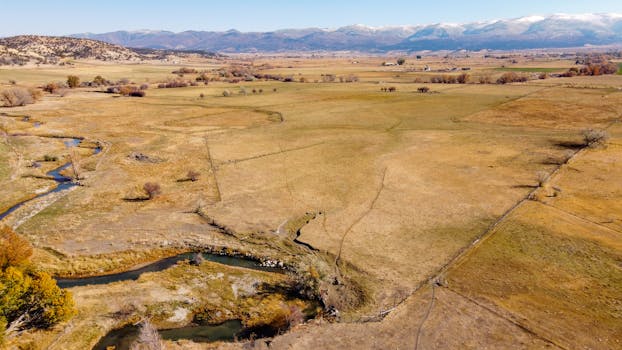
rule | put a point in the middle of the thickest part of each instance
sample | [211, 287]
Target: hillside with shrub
[36, 49]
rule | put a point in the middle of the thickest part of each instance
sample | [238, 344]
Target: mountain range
[553, 31]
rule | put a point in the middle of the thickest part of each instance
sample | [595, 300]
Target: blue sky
[74, 16]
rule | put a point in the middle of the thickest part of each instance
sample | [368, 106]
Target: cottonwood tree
[14, 250]
[28, 299]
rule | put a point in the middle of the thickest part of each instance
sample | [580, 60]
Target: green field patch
[619, 68]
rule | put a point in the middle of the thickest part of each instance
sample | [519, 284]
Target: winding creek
[164, 264]
[63, 182]
[122, 338]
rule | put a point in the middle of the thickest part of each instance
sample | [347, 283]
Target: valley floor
[424, 208]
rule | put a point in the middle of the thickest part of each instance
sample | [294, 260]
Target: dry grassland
[399, 184]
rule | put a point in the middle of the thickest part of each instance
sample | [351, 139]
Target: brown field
[417, 204]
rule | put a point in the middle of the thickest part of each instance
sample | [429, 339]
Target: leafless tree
[541, 177]
[152, 189]
[193, 175]
[148, 338]
[595, 137]
[74, 158]
[16, 96]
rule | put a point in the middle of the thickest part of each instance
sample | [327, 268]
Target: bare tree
[17, 96]
[148, 338]
[595, 137]
[152, 189]
[193, 175]
[541, 177]
[74, 157]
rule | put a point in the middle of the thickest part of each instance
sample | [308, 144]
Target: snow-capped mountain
[558, 30]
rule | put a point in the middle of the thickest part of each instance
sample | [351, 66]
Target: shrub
[51, 87]
[485, 79]
[567, 156]
[17, 96]
[185, 70]
[193, 175]
[351, 78]
[595, 137]
[444, 79]
[423, 89]
[73, 81]
[401, 61]
[99, 80]
[173, 84]
[144, 86]
[49, 158]
[126, 90]
[226, 93]
[152, 189]
[463, 78]
[203, 77]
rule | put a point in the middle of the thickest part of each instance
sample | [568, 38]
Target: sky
[48, 17]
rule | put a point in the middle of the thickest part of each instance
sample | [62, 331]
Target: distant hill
[47, 49]
[558, 30]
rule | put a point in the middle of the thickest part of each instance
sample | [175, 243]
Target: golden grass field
[419, 201]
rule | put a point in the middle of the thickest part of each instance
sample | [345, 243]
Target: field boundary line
[212, 169]
[510, 319]
[363, 215]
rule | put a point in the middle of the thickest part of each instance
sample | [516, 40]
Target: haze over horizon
[251, 16]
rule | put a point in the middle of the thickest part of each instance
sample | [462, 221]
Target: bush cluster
[450, 79]
[185, 70]
[511, 77]
[127, 90]
[593, 69]
[18, 96]
[178, 83]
